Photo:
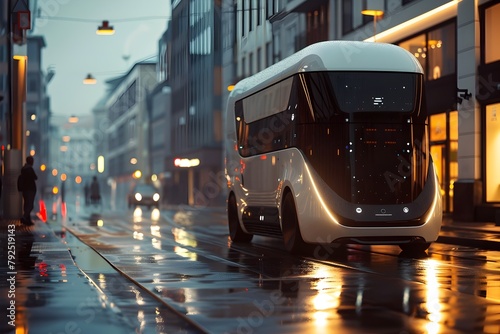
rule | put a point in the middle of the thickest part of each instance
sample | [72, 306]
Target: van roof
[332, 56]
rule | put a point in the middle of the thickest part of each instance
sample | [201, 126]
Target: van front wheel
[290, 225]
[235, 231]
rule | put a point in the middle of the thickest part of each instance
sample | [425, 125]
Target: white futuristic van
[330, 145]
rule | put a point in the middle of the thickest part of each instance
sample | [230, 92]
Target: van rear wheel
[415, 247]
[290, 225]
[235, 231]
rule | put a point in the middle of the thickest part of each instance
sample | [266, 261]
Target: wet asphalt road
[184, 259]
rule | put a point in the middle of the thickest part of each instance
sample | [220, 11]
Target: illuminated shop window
[453, 154]
[438, 127]
[435, 50]
[492, 27]
[441, 52]
[444, 151]
[417, 47]
[492, 149]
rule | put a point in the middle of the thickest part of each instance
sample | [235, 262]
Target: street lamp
[105, 29]
[89, 80]
[373, 8]
[73, 119]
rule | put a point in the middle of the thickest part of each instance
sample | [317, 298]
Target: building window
[276, 49]
[259, 13]
[351, 15]
[259, 59]
[444, 151]
[492, 27]
[438, 127]
[131, 132]
[244, 67]
[491, 154]
[316, 26]
[417, 47]
[441, 51]
[250, 63]
[269, 54]
[243, 13]
[32, 85]
[269, 9]
[132, 94]
[250, 16]
[435, 50]
[291, 33]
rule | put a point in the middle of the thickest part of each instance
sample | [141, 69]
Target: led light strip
[412, 22]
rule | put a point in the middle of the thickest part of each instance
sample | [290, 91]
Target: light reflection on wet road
[185, 258]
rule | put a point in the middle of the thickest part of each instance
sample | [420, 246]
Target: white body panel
[318, 223]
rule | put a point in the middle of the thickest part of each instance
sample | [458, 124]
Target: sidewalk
[46, 292]
[484, 235]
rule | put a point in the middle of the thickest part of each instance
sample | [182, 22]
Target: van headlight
[156, 197]
[138, 197]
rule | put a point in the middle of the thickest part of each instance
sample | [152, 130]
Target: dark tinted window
[371, 91]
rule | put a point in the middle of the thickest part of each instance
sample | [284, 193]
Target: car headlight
[156, 197]
[138, 196]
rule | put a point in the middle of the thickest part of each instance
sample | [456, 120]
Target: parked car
[144, 194]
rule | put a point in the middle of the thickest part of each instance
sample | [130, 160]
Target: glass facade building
[196, 83]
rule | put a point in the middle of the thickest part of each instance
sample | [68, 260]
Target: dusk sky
[73, 49]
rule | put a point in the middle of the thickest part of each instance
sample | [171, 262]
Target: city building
[159, 107]
[197, 105]
[126, 130]
[37, 105]
[71, 162]
[13, 44]
[24, 104]
[269, 31]
[101, 123]
[4, 76]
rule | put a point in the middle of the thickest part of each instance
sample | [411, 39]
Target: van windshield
[356, 91]
[372, 91]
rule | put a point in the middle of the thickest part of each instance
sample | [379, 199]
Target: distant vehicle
[331, 146]
[144, 194]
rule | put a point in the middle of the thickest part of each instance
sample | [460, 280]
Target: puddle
[86, 258]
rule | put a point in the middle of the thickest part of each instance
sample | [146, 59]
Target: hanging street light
[89, 80]
[105, 29]
[374, 8]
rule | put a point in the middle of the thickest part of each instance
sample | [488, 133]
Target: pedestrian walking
[27, 185]
[95, 193]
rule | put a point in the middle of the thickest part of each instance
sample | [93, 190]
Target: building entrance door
[444, 148]
[438, 153]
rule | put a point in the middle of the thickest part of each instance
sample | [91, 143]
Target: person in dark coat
[95, 193]
[29, 177]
